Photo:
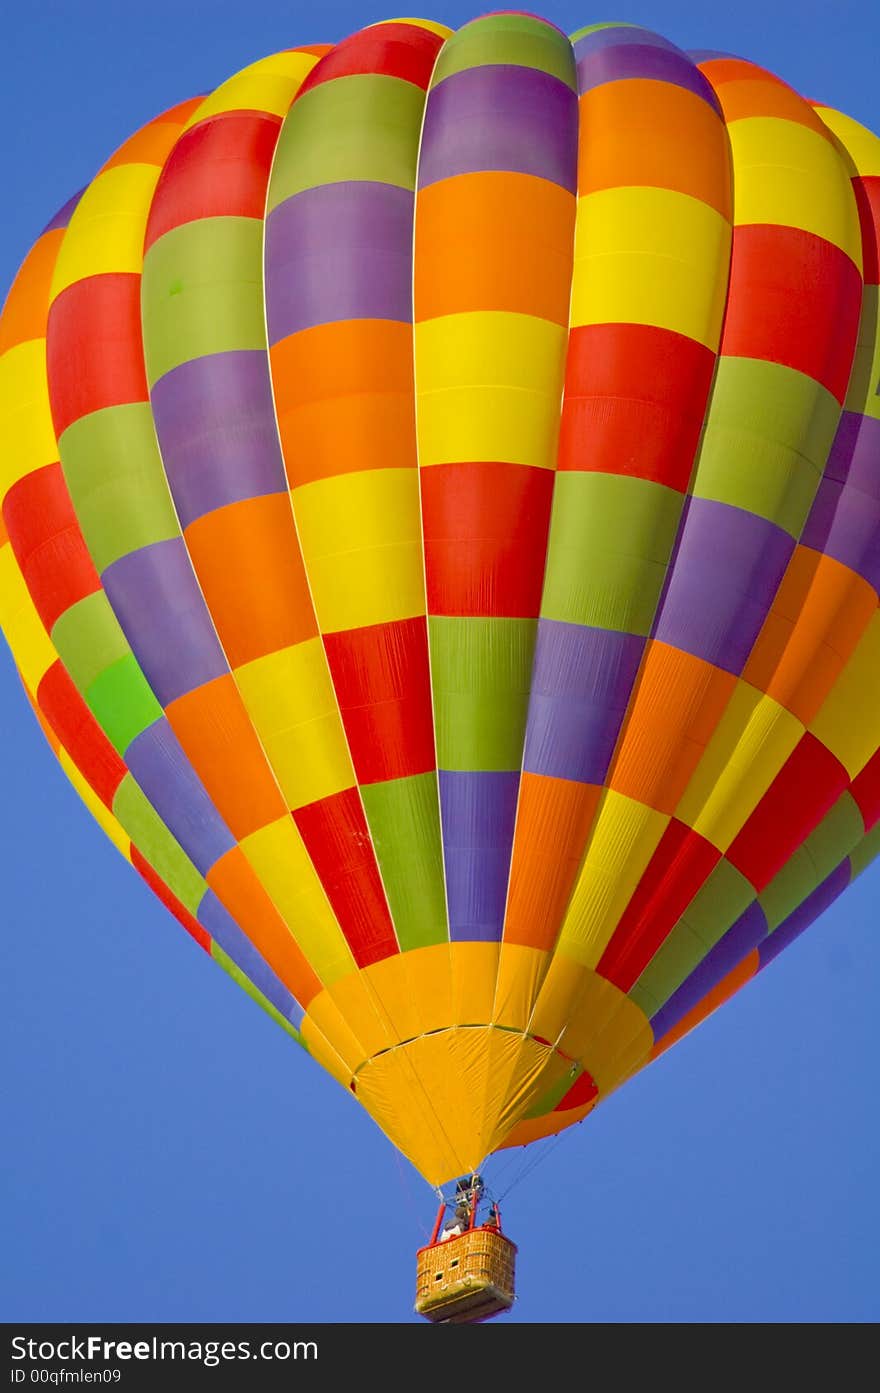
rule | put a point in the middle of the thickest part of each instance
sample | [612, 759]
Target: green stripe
[156, 844]
[122, 702]
[863, 394]
[766, 441]
[822, 852]
[862, 856]
[404, 820]
[114, 473]
[364, 127]
[594, 28]
[203, 292]
[499, 41]
[611, 538]
[481, 672]
[715, 907]
[89, 639]
[254, 993]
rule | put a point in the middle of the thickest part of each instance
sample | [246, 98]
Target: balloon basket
[467, 1278]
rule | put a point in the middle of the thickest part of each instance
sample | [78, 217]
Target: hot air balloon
[440, 482]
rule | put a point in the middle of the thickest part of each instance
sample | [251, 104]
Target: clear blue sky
[169, 1153]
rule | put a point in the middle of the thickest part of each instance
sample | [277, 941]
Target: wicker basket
[467, 1278]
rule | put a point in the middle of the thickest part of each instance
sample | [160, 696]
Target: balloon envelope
[441, 499]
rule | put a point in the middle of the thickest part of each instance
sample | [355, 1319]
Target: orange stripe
[152, 143]
[721, 992]
[234, 883]
[818, 616]
[24, 314]
[657, 756]
[494, 241]
[720, 71]
[344, 398]
[250, 569]
[553, 821]
[635, 133]
[762, 95]
[214, 729]
[534, 1128]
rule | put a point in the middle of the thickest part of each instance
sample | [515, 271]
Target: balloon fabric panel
[440, 498]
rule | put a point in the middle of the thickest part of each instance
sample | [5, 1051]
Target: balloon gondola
[466, 1272]
[440, 480]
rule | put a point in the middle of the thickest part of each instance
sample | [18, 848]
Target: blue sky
[170, 1155]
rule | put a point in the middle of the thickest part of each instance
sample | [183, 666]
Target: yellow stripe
[30, 644]
[106, 232]
[100, 813]
[650, 256]
[279, 858]
[290, 699]
[592, 1021]
[362, 544]
[625, 836]
[489, 385]
[752, 741]
[849, 721]
[862, 145]
[269, 85]
[788, 174]
[432, 28]
[25, 418]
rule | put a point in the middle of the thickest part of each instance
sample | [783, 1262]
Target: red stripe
[48, 544]
[383, 688]
[79, 733]
[635, 397]
[794, 299]
[679, 867]
[582, 1091]
[807, 786]
[865, 789]
[485, 527]
[94, 347]
[170, 901]
[867, 192]
[338, 842]
[220, 168]
[390, 50]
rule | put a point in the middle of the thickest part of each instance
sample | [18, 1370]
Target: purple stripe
[226, 933]
[339, 251]
[618, 34]
[707, 55]
[625, 61]
[844, 521]
[155, 596]
[806, 913]
[581, 685]
[845, 525]
[166, 777]
[748, 931]
[500, 118]
[64, 214]
[854, 457]
[727, 569]
[215, 421]
[478, 811]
